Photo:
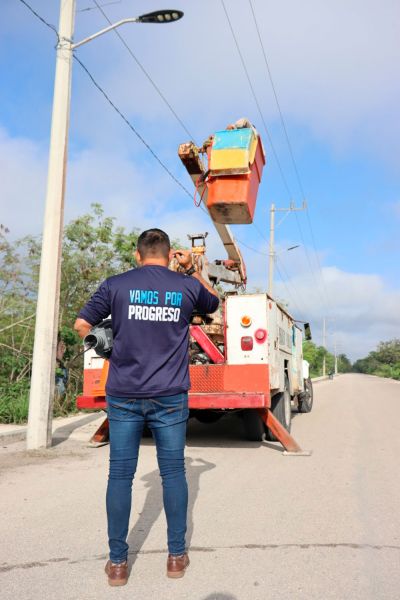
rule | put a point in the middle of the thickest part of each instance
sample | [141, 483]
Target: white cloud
[361, 310]
[364, 309]
[132, 194]
[333, 64]
[23, 166]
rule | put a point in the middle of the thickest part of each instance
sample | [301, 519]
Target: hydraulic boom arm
[233, 270]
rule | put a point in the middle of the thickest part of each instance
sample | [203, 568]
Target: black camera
[100, 338]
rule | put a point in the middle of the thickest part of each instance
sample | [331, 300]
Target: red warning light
[246, 342]
[260, 335]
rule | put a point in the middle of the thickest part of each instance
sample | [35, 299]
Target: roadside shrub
[14, 402]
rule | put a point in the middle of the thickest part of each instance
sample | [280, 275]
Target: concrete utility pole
[324, 345]
[46, 329]
[44, 352]
[272, 254]
[271, 249]
[336, 357]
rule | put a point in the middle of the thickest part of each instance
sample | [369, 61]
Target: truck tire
[306, 399]
[254, 427]
[281, 409]
[207, 416]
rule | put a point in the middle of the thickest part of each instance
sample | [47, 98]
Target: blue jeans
[166, 416]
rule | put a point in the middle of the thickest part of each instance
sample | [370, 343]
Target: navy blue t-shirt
[150, 309]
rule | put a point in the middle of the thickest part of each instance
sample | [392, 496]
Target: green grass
[14, 402]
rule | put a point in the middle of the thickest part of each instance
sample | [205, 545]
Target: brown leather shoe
[177, 565]
[117, 573]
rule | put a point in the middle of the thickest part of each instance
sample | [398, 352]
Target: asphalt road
[261, 525]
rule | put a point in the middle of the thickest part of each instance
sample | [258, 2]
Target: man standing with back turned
[148, 384]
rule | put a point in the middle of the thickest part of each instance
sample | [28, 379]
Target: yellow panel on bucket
[232, 158]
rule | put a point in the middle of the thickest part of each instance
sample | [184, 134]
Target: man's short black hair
[153, 242]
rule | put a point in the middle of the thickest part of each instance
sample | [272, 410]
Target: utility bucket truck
[246, 357]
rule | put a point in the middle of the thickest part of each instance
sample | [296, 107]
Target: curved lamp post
[39, 432]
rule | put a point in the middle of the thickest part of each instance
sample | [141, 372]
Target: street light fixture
[159, 16]
[39, 432]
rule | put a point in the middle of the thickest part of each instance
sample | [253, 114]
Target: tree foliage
[94, 248]
[383, 362]
[315, 356]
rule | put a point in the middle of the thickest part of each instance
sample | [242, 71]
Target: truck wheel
[254, 427]
[306, 398]
[281, 409]
[207, 416]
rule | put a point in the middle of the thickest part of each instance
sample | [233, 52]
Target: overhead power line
[287, 276]
[250, 247]
[260, 232]
[283, 177]
[124, 118]
[88, 8]
[277, 102]
[131, 127]
[287, 288]
[134, 130]
[318, 261]
[313, 275]
[111, 103]
[149, 78]
[292, 156]
[49, 25]
[256, 101]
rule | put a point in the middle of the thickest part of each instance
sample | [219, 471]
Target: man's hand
[82, 327]
[184, 258]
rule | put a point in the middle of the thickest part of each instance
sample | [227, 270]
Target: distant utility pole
[336, 357]
[324, 346]
[272, 255]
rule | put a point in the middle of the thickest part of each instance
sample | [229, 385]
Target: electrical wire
[318, 261]
[277, 101]
[256, 101]
[87, 9]
[250, 248]
[283, 177]
[313, 276]
[100, 89]
[133, 129]
[256, 227]
[117, 110]
[29, 7]
[236, 238]
[295, 291]
[283, 281]
[141, 67]
[138, 135]
[295, 167]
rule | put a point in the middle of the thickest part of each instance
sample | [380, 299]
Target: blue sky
[334, 66]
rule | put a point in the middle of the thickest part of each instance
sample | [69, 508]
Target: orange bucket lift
[236, 160]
